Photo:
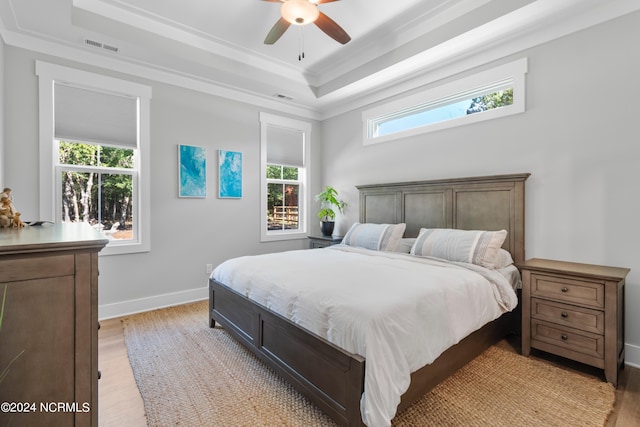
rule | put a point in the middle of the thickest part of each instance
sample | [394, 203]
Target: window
[284, 170]
[487, 95]
[94, 138]
[97, 187]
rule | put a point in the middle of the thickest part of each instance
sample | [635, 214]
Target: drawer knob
[564, 337]
[564, 314]
[564, 289]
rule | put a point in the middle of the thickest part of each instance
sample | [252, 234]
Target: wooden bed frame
[334, 379]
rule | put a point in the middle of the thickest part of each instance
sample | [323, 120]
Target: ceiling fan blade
[332, 29]
[319, 1]
[277, 31]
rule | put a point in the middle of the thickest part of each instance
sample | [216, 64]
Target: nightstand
[575, 311]
[323, 241]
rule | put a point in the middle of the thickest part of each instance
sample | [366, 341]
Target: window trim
[48, 210]
[514, 71]
[303, 196]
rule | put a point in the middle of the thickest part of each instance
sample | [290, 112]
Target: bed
[334, 378]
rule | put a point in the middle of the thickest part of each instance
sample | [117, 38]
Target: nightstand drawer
[567, 338]
[568, 315]
[563, 289]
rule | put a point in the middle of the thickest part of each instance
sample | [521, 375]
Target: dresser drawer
[13, 270]
[567, 338]
[583, 292]
[568, 315]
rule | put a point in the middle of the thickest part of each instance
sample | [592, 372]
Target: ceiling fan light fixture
[299, 12]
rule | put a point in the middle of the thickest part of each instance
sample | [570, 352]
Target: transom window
[483, 99]
[487, 95]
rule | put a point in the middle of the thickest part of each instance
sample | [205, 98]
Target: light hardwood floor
[120, 403]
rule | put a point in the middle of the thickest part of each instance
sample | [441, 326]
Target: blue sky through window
[439, 114]
[496, 92]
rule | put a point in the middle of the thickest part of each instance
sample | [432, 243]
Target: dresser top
[50, 237]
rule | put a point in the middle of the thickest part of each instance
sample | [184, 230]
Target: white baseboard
[632, 355]
[125, 308]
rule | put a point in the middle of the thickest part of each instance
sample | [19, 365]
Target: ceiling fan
[304, 12]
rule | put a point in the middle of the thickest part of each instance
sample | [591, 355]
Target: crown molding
[154, 24]
[474, 49]
[513, 33]
[151, 72]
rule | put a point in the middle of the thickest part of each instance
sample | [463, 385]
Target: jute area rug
[192, 375]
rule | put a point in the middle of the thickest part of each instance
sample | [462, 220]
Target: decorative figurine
[17, 222]
[7, 210]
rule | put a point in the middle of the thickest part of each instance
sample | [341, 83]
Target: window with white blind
[284, 147]
[94, 139]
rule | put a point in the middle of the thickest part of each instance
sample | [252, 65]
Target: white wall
[578, 139]
[186, 234]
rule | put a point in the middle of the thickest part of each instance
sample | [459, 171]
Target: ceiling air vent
[111, 48]
[94, 43]
[283, 97]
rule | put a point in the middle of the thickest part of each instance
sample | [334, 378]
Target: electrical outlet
[209, 268]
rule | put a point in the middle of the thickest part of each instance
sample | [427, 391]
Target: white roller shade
[90, 116]
[285, 146]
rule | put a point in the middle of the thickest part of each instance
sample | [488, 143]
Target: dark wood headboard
[477, 203]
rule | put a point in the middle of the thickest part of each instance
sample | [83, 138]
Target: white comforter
[398, 311]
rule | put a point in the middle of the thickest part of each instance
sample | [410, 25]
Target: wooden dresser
[575, 311]
[49, 334]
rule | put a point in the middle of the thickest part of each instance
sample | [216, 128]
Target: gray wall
[578, 138]
[186, 234]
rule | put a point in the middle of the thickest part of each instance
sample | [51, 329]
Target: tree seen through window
[97, 187]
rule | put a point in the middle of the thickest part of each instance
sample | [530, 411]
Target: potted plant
[328, 202]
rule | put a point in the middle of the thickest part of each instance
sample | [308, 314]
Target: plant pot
[327, 227]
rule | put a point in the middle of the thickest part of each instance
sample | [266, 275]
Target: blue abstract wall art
[192, 162]
[230, 175]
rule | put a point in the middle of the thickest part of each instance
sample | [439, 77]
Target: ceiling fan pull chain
[301, 44]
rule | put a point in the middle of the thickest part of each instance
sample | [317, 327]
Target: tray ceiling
[221, 42]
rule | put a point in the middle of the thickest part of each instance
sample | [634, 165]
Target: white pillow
[470, 246]
[406, 243]
[503, 259]
[378, 237]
